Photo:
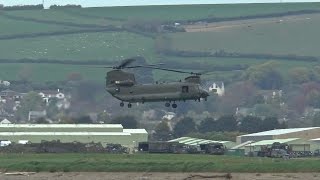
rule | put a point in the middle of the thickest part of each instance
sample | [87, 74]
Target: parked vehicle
[213, 148]
[4, 143]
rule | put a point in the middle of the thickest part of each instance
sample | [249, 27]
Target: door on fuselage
[185, 89]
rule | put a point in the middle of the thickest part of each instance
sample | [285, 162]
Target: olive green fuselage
[178, 91]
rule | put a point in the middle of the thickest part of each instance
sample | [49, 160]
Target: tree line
[227, 123]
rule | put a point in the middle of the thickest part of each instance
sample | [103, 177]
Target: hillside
[53, 43]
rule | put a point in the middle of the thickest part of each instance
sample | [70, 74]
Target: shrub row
[59, 33]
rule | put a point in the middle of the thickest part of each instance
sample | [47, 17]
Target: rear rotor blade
[125, 63]
[144, 66]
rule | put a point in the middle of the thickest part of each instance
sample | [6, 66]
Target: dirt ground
[159, 176]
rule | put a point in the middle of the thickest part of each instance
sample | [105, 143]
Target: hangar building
[302, 133]
[295, 143]
[85, 133]
[196, 141]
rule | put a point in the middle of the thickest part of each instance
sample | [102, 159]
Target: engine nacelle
[124, 83]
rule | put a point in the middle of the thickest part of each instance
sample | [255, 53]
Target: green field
[62, 16]
[182, 12]
[153, 163]
[288, 37]
[12, 27]
[292, 36]
[85, 46]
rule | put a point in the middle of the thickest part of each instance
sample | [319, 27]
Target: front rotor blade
[172, 70]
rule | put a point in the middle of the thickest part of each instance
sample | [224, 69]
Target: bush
[65, 6]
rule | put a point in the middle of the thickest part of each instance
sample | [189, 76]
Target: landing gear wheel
[121, 104]
[129, 105]
[167, 104]
[174, 105]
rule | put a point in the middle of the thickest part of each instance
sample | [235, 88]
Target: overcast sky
[96, 3]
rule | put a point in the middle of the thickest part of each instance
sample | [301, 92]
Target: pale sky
[97, 3]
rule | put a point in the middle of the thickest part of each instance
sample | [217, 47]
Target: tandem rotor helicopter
[123, 86]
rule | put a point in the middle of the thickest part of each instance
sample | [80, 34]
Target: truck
[276, 150]
[213, 148]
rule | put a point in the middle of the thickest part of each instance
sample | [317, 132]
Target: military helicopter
[123, 86]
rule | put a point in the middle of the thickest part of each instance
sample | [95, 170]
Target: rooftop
[135, 131]
[195, 141]
[279, 131]
[61, 126]
[64, 134]
[269, 142]
[240, 146]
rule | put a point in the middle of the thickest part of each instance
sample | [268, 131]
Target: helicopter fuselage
[175, 91]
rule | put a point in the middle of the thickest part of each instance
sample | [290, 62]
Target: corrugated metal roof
[64, 134]
[135, 131]
[279, 131]
[178, 139]
[269, 142]
[61, 126]
[195, 141]
[239, 146]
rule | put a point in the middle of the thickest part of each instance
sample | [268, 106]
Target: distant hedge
[24, 7]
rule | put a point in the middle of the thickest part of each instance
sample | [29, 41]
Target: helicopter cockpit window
[185, 89]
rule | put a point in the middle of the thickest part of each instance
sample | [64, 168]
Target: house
[33, 115]
[5, 121]
[63, 104]
[269, 95]
[49, 94]
[215, 88]
[5, 83]
[10, 95]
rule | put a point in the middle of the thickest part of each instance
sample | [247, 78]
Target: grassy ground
[294, 37]
[153, 163]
